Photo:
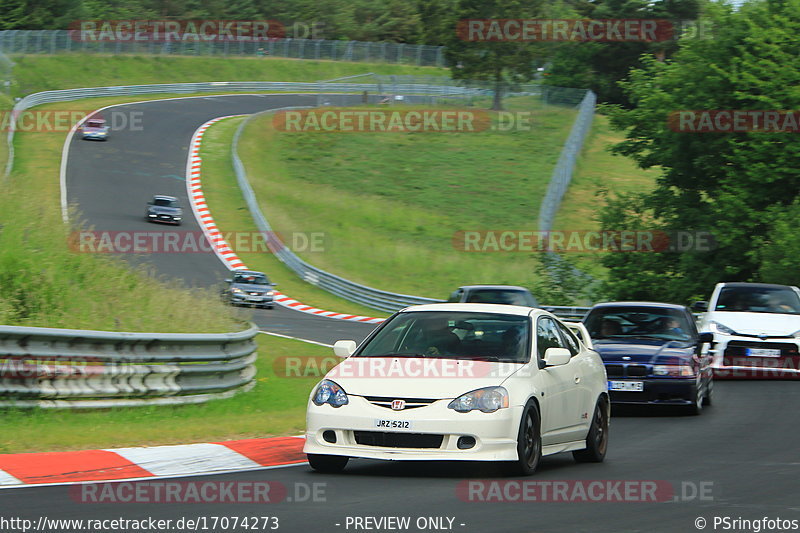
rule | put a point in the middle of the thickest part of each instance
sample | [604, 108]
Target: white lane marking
[296, 339]
[186, 458]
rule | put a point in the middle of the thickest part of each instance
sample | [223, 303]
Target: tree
[502, 63]
[729, 183]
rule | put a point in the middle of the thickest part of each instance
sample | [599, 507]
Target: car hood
[642, 350]
[755, 323]
[162, 210]
[91, 129]
[413, 377]
[249, 287]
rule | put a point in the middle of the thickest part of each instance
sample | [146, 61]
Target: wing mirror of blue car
[344, 349]
[706, 336]
[556, 356]
[700, 306]
[228, 281]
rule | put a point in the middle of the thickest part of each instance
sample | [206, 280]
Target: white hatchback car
[478, 382]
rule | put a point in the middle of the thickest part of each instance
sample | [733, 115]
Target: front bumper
[354, 424]
[248, 299]
[657, 391]
[164, 219]
[94, 137]
[731, 358]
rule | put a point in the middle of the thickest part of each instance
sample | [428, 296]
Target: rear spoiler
[580, 331]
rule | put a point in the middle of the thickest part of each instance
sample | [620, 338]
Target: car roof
[662, 305]
[163, 197]
[755, 285]
[476, 308]
[495, 287]
[250, 272]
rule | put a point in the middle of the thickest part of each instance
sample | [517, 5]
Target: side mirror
[228, 280]
[273, 284]
[706, 336]
[344, 349]
[556, 356]
[700, 306]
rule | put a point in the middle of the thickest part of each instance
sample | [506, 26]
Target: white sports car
[457, 381]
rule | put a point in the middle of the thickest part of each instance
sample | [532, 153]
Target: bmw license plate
[392, 424]
[763, 352]
[627, 386]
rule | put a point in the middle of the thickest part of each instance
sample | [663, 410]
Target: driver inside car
[438, 338]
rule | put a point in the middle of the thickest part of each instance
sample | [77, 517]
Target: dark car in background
[493, 294]
[248, 287]
[164, 209]
[652, 353]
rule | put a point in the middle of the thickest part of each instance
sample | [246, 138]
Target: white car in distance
[455, 381]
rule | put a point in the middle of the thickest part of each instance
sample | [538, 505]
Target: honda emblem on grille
[398, 405]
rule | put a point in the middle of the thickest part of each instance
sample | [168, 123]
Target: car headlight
[151, 215]
[673, 370]
[176, 218]
[331, 393]
[487, 400]
[270, 293]
[716, 327]
[237, 290]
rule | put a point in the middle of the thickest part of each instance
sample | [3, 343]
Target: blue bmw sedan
[652, 353]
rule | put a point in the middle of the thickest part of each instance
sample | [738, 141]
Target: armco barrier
[349, 290]
[58, 368]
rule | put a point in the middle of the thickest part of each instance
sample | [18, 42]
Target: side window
[570, 340]
[547, 336]
[456, 296]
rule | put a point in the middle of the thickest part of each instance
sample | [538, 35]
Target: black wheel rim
[531, 443]
[601, 429]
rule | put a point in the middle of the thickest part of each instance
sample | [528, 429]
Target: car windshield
[452, 335]
[497, 296]
[628, 321]
[95, 123]
[251, 279]
[759, 300]
[164, 202]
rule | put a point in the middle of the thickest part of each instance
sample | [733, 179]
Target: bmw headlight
[716, 327]
[331, 393]
[487, 400]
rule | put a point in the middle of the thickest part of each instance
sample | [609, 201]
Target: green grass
[276, 406]
[391, 203]
[69, 71]
[224, 199]
[598, 173]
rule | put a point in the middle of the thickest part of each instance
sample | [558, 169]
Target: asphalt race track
[739, 459]
[111, 182]
[741, 455]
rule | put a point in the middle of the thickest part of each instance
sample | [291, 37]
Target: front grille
[411, 403]
[398, 440]
[629, 371]
[739, 348]
[637, 371]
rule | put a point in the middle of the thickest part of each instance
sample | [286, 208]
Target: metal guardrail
[349, 290]
[66, 95]
[62, 41]
[58, 368]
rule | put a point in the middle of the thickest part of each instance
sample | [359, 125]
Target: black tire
[327, 464]
[597, 438]
[529, 442]
[707, 399]
[696, 407]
